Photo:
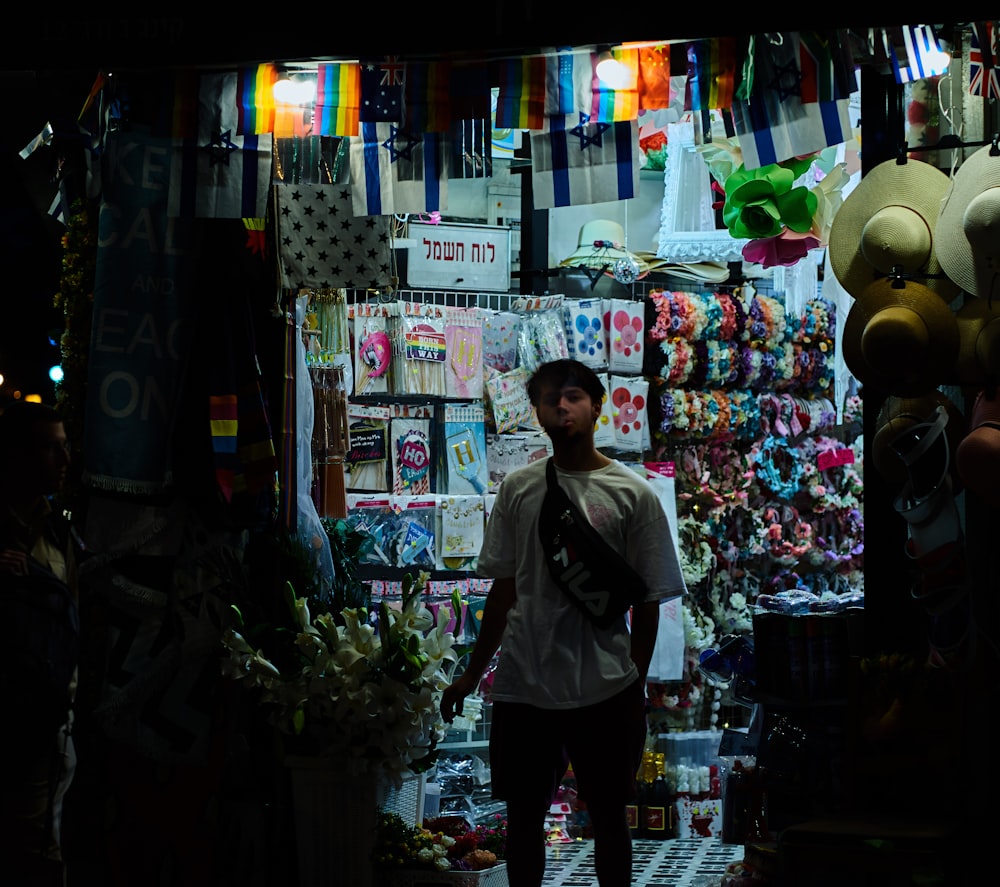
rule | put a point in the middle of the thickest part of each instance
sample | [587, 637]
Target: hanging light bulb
[610, 70]
[294, 89]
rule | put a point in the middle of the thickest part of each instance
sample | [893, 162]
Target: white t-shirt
[551, 655]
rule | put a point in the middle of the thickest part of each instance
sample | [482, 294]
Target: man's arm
[500, 599]
[645, 622]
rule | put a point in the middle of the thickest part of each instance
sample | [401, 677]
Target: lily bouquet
[363, 687]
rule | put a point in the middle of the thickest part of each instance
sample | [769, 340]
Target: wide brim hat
[978, 455]
[967, 237]
[600, 244]
[900, 339]
[888, 221]
[978, 360]
[898, 415]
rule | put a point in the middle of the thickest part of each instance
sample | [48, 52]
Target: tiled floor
[680, 862]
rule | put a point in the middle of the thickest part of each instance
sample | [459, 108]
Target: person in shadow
[566, 690]
[39, 618]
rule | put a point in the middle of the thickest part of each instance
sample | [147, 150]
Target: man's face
[46, 458]
[567, 412]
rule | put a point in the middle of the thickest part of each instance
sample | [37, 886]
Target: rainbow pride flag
[619, 102]
[255, 89]
[338, 99]
[521, 97]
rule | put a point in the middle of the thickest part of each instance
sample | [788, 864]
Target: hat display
[978, 358]
[901, 337]
[899, 415]
[601, 247]
[967, 237]
[978, 455]
[888, 221]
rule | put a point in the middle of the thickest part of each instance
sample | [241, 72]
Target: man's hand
[453, 697]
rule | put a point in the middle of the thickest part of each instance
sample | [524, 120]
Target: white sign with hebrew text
[459, 257]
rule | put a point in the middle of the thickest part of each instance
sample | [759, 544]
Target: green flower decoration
[762, 202]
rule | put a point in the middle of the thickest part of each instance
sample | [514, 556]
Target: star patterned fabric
[323, 244]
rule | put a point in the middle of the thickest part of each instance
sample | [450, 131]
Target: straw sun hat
[601, 247]
[888, 220]
[978, 361]
[900, 339]
[967, 237]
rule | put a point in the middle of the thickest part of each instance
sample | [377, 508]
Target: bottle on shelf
[643, 785]
[657, 813]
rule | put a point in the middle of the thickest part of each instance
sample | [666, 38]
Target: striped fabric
[338, 99]
[255, 89]
[521, 97]
[395, 172]
[916, 55]
[568, 83]
[614, 103]
[584, 163]
[772, 122]
[983, 80]
[427, 96]
[710, 82]
[217, 173]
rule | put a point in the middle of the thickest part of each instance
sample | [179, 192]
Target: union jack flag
[983, 80]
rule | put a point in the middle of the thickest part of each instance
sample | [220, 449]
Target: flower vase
[335, 818]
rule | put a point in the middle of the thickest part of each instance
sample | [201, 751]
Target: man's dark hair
[565, 373]
[19, 420]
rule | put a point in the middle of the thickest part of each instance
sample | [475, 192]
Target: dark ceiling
[223, 34]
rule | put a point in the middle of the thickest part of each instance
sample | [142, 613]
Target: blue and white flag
[772, 122]
[569, 83]
[917, 55]
[584, 163]
[393, 171]
[218, 174]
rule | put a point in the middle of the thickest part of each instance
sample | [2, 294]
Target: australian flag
[383, 82]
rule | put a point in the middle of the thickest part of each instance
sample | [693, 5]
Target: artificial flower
[365, 693]
[760, 202]
[786, 248]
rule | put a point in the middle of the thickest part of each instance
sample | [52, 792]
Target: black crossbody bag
[594, 575]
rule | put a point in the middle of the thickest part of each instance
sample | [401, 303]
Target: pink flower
[785, 248]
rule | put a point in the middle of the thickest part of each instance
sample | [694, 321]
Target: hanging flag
[324, 245]
[914, 53]
[983, 60]
[654, 77]
[521, 96]
[772, 122]
[382, 84]
[584, 163]
[427, 96]
[313, 160]
[618, 101]
[569, 83]
[255, 87]
[393, 171]
[710, 78]
[220, 174]
[338, 99]
[291, 120]
[471, 91]
[471, 150]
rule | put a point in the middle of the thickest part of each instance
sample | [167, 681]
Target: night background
[29, 238]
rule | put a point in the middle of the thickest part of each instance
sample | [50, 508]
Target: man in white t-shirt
[564, 690]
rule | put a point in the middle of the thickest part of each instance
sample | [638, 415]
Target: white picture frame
[687, 221]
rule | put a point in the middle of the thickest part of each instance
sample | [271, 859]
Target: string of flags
[413, 124]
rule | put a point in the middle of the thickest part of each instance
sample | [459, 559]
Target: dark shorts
[531, 748]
